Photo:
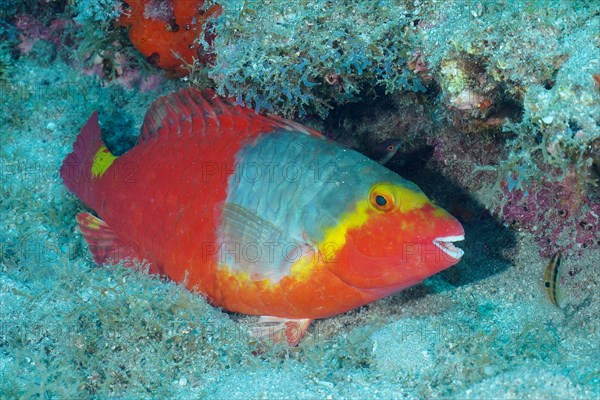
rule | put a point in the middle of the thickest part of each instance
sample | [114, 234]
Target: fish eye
[390, 148]
[381, 198]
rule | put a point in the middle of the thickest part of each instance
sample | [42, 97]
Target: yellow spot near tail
[92, 222]
[102, 160]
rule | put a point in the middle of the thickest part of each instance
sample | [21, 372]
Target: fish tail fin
[88, 160]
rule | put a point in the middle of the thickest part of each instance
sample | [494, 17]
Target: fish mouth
[446, 244]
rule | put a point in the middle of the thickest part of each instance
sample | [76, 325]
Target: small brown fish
[551, 278]
[386, 150]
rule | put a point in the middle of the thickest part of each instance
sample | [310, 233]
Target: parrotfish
[261, 215]
[386, 150]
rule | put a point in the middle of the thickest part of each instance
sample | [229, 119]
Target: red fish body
[261, 215]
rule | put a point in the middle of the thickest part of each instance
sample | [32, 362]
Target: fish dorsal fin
[257, 247]
[191, 111]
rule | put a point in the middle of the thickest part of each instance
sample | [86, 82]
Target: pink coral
[558, 214]
[32, 30]
[124, 71]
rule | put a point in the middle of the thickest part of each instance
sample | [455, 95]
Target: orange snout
[397, 251]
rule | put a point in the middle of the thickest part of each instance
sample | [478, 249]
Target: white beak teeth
[447, 246]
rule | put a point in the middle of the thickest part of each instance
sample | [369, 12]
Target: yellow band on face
[402, 200]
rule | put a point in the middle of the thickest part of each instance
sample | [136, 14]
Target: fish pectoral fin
[279, 329]
[562, 294]
[104, 244]
[258, 247]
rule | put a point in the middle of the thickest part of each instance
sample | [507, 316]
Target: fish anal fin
[278, 329]
[106, 247]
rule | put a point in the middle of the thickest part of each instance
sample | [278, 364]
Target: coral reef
[541, 79]
[101, 12]
[82, 34]
[303, 57]
[546, 70]
[38, 40]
